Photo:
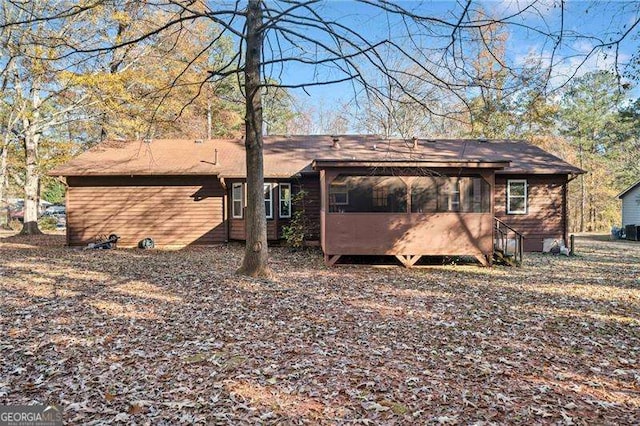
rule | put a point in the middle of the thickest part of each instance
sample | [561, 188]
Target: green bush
[294, 233]
[48, 223]
[53, 191]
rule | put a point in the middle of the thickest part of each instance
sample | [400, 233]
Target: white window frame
[453, 202]
[281, 199]
[234, 214]
[344, 192]
[509, 196]
[270, 200]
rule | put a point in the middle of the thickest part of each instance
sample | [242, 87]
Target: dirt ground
[175, 337]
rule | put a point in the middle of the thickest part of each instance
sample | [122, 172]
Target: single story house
[366, 195]
[631, 208]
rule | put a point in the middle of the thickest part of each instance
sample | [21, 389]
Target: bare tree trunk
[255, 262]
[31, 184]
[4, 221]
[32, 178]
[583, 192]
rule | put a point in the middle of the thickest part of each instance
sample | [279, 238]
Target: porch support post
[408, 260]
[331, 260]
[484, 260]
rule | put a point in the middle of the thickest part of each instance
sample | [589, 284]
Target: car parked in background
[59, 213]
[55, 210]
[14, 211]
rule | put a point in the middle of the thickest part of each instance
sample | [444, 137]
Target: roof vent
[415, 142]
[336, 142]
[375, 147]
[147, 140]
[199, 141]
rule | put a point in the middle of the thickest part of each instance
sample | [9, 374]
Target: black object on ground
[146, 244]
[109, 242]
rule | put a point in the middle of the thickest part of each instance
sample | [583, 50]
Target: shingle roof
[629, 189]
[284, 156]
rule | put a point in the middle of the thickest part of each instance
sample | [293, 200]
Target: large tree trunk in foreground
[255, 262]
[31, 185]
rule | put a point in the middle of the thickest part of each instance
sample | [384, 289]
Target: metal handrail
[505, 225]
[503, 236]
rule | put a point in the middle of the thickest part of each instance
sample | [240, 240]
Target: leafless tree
[270, 36]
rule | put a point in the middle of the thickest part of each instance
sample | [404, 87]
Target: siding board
[545, 208]
[309, 183]
[174, 211]
[311, 203]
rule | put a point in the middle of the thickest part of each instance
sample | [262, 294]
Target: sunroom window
[517, 196]
[367, 194]
[424, 194]
[430, 194]
[451, 195]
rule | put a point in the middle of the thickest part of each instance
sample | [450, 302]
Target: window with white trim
[285, 200]
[237, 200]
[338, 193]
[516, 196]
[268, 199]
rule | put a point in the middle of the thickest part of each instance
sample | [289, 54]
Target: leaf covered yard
[175, 337]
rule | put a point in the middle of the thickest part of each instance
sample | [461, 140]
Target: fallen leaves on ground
[148, 337]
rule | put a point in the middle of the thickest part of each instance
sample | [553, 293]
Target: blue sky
[585, 23]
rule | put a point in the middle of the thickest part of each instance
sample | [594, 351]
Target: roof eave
[629, 189]
[470, 164]
[541, 172]
[130, 173]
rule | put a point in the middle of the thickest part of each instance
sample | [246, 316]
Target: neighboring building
[631, 205]
[367, 195]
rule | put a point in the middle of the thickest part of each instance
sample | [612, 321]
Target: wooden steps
[500, 257]
[508, 244]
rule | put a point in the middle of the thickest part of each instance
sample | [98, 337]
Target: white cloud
[575, 61]
[531, 8]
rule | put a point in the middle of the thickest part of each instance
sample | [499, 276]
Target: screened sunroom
[407, 210]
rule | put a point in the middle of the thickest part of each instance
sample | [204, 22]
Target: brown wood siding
[236, 228]
[310, 184]
[409, 233]
[546, 213]
[174, 211]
